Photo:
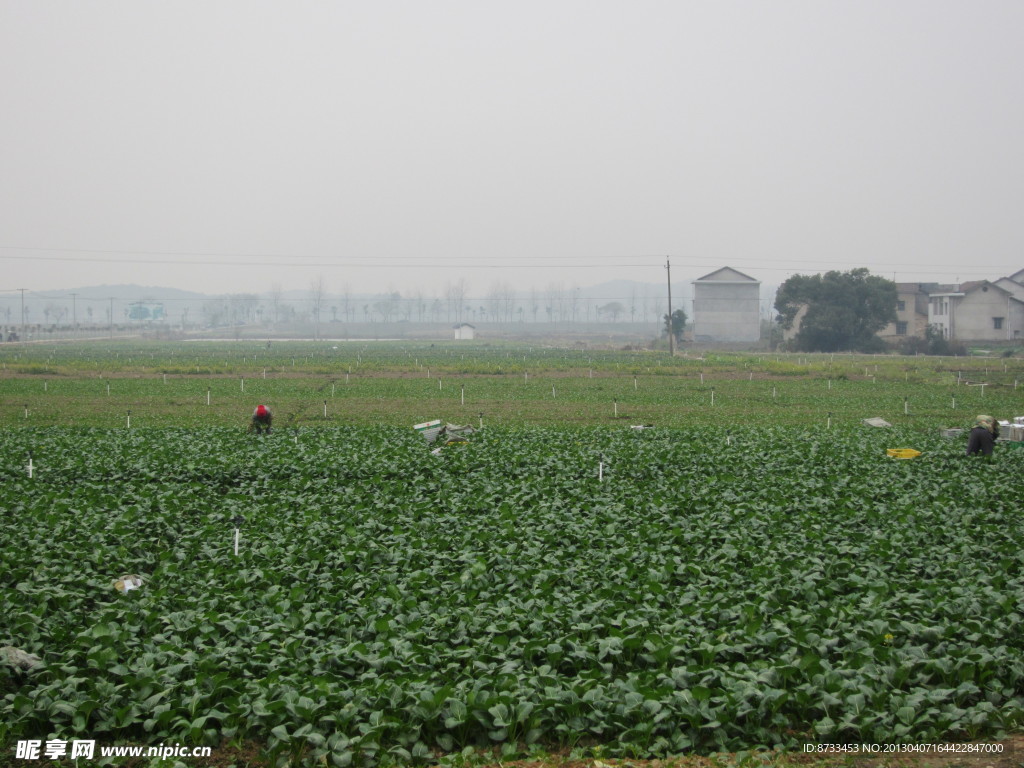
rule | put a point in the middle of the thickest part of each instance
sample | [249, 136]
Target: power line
[472, 262]
[376, 263]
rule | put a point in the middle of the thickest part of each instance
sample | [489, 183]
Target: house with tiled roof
[979, 311]
[911, 310]
[726, 307]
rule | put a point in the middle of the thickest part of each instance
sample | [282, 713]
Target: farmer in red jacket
[261, 420]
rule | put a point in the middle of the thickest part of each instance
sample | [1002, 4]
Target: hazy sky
[225, 145]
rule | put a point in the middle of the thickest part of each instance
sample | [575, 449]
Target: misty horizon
[404, 147]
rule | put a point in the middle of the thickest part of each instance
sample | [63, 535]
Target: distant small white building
[726, 307]
[464, 331]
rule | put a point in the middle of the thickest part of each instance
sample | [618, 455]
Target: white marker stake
[829, 422]
[165, 378]
[242, 381]
[773, 393]
[438, 385]
[463, 396]
[108, 390]
[634, 383]
[26, 411]
[954, 402]
[830, 383]
[702, 377]
[332, 389]
[46, 386]
[905, 411]
[236, 542]
[600, 471]
[481, 421]
[616, 408]
[325, 409]
[552, 391]
[712, 395]
[129, 419]
[30, 465]
[207, 395]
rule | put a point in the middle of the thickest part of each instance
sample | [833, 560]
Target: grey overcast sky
[231, 145]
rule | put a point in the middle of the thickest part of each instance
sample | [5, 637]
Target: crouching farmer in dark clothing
[983, 436]
[261, 420]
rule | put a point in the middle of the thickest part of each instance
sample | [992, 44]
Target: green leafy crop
[789, 584]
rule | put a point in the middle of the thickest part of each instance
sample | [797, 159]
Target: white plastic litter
[877, 422]
[126, 584]
[18, 658]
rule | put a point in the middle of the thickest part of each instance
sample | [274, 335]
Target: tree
[276, 295]
[933, 343]
[678, 324]
[844, 310]
[611, 310]
[387, 305]
[455, 294]
[317, 295]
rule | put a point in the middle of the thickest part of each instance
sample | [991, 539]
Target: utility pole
[74, 309]
[668, 320]
[22, 315]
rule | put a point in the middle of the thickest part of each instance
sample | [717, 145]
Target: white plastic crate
[429, 429]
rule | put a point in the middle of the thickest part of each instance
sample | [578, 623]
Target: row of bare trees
[455, 303]
[500, 304]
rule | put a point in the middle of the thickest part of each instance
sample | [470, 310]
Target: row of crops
[597, 396]
[311, 401]
[251, 358]
[653, 591]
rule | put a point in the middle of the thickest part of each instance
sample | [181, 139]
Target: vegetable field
[323, 384]
[719, 585]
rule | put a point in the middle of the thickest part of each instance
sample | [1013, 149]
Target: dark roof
[924, 288]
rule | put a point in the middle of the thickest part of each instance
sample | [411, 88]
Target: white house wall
[726, 311]
[974, 315]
